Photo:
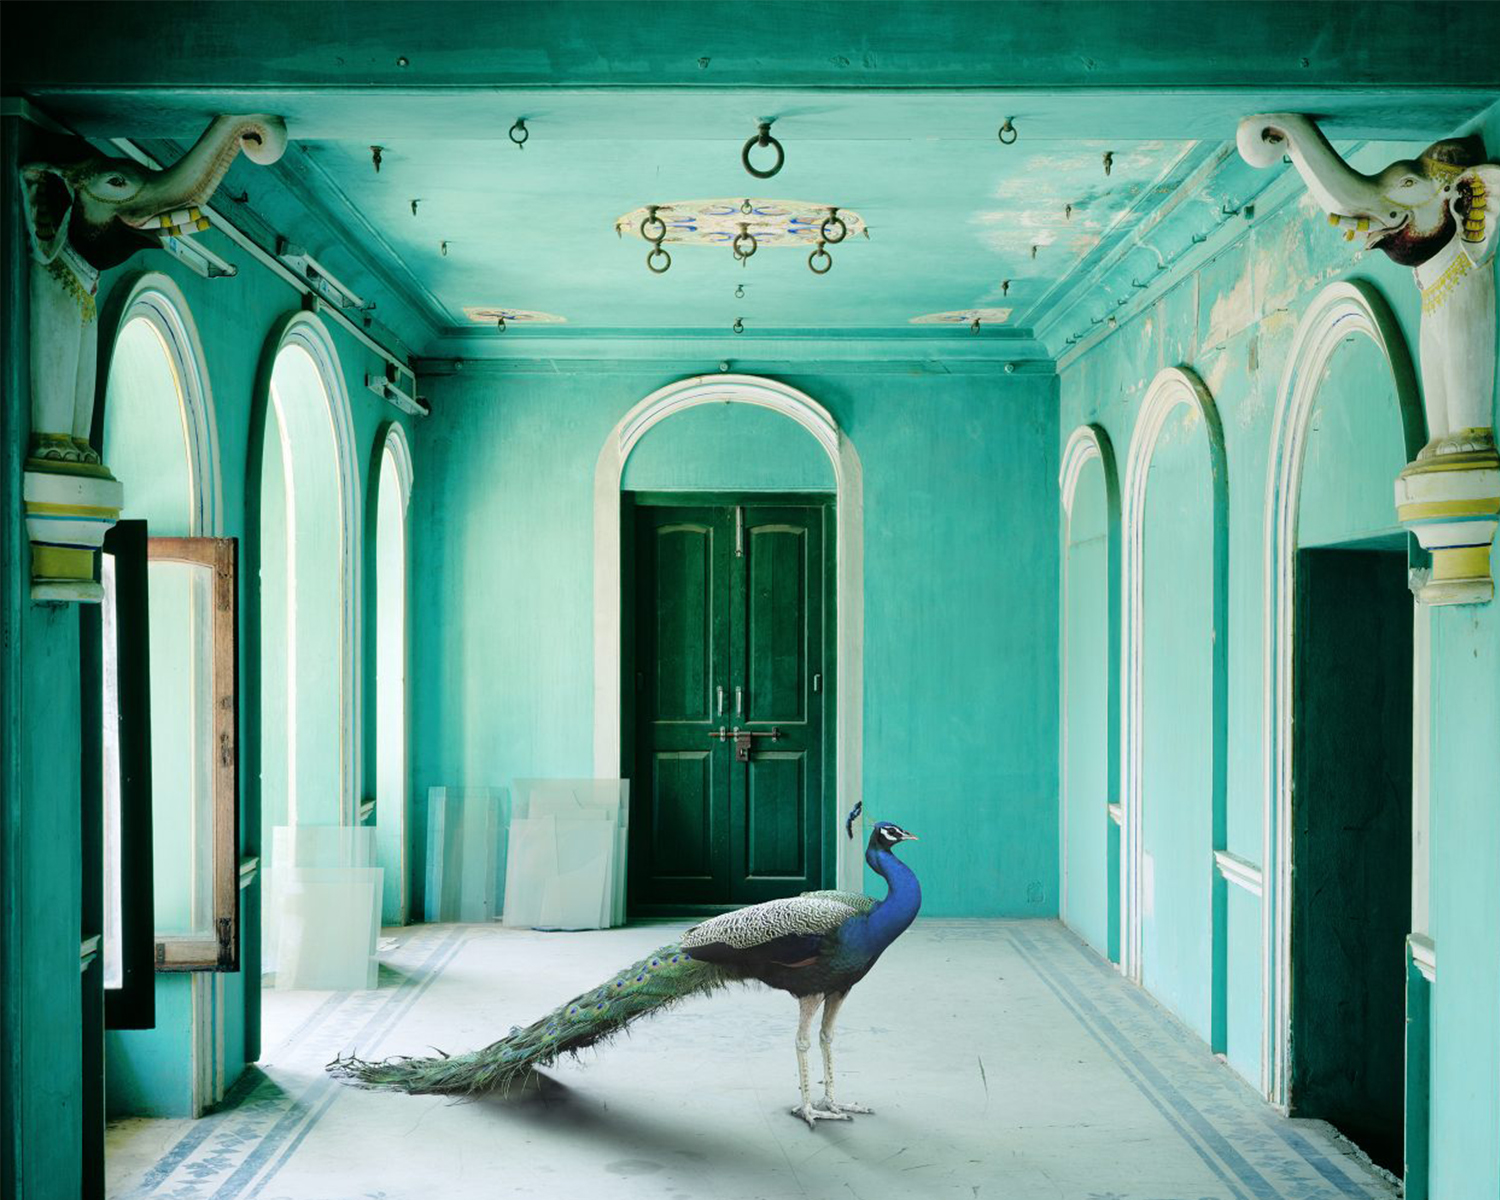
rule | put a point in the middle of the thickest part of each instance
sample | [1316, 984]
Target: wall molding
[1173, 387]
[849, 476]
[1088, 444]
[1423, 955]
[1340, 311]
[1239, 871]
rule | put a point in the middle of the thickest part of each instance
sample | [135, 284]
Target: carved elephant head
[107, 208]
[1407, 210]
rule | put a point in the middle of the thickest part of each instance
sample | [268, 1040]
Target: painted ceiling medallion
[965, 316]
[492, 315]
[718, 222]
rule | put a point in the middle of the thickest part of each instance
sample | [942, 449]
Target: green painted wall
[960, 593]
[1232, 320]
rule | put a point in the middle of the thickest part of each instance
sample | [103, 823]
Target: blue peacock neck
[890, 917]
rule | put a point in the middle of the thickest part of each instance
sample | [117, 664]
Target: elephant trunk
[1337, 187]
[195, 176]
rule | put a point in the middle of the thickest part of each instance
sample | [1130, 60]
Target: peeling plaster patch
[1231, 311]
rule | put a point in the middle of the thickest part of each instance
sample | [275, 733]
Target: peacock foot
[843, 1106]
[812, 1115]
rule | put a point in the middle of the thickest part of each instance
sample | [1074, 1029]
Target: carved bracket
[1437, 214]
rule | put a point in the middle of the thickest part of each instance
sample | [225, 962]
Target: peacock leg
[827, 1104]
[806, 1111]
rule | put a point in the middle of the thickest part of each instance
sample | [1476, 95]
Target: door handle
[721, 700]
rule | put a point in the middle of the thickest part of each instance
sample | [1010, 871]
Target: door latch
[743, 739]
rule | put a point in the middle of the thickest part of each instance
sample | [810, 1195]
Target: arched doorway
[849, 571]
[392, 496]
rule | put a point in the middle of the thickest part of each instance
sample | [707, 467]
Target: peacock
[816, 946]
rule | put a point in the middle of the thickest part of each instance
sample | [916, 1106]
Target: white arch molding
[394, 442]
[1172, 388]
[1087, 444]
[156, 298]
[305, 331]
[1339, 312]
[848, 476]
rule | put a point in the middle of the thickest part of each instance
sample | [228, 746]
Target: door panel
[682, 661]
[728, 608]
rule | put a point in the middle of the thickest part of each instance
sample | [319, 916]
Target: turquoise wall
[1232, 320]
[960, 597]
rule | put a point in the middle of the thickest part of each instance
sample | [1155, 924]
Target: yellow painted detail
[61, 562]
[1461, 562]
[43, 509]
[1482, 507]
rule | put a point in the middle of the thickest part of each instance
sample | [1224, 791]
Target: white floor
[1003, 1059]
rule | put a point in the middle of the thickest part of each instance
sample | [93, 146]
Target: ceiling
[957, 220]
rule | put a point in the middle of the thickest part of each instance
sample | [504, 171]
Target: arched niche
[1347, 323]
[303, 623]
[622, 441]
[390, 499]
[1184, 620]
[1089, 818]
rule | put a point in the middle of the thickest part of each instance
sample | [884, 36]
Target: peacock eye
[117, 181]
[1408, 182]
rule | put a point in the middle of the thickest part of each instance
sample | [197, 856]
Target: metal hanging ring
[652, 219]
[832, 221]
[651, 260]
[739, 325]
[520, 126]
[739, 291]
[745, 207]
[744, 243]
[500, 323]
[824, 256]
[763, 138]
[1007, 128]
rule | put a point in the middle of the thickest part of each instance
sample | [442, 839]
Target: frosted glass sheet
[466, 853]
[330, 920]
[111, 950]
[297, 847]
[566, 866]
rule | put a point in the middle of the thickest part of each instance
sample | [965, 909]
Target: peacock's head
[887, 834]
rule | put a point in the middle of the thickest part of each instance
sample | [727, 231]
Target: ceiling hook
[443, 247]
[500, 322]
[817, 256]
[1008, 128]
[763, 138]
[1067, 212]
[520, 127]
[376, 154]
[831, 222]
[739, 325]
[974, 325]
[739, 291]
[414, 204]
[1109, 162]
[1005, 287]
[745, 207]
[1033, 250]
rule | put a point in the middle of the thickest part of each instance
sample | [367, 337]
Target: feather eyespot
[600, 1008]
[619, 983]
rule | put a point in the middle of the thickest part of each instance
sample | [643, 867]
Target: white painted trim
[1116, 813]
[1086, 444]
[1421, 758]
[395, 444]
[849, 476]
[1239, 871]
[1339, 311]
[1424, 954]
[306, 331]
[1172, 387]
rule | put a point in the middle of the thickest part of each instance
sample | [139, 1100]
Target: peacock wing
[858, 901]
[788, 932]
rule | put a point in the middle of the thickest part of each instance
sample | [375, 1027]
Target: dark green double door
[731, 688]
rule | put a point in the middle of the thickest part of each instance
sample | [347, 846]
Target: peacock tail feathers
[655, 983]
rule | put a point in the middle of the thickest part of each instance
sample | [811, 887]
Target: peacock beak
[909, 837]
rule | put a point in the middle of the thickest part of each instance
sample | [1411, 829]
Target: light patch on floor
[1003, 1059]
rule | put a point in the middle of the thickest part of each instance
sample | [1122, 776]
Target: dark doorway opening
[1351, 844]
[729, 613]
